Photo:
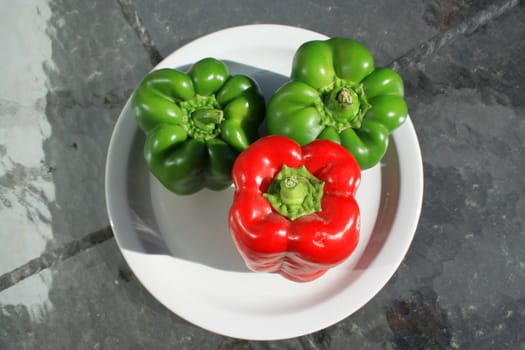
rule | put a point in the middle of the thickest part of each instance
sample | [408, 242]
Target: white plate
[180, 249]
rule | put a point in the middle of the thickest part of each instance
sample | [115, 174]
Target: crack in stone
[135, 21]
[54, 256]
[440, 40]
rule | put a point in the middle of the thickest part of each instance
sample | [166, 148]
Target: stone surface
[93, 301]
[96, 62]
[69, 67]
[389, 28]
[26, 186]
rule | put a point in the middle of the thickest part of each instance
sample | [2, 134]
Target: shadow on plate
[192, 227]
[390, 191]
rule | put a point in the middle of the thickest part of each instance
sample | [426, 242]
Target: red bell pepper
[294, 210]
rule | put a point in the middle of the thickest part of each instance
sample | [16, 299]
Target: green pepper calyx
[343, 105]
[295, 192]
[203, 116]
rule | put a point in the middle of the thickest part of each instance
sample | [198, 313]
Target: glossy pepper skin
[196, 123]
[303, 248]
[335, 92]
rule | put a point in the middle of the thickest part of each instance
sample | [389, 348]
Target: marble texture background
[69, 66]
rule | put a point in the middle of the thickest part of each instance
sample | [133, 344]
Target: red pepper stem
[295, 192]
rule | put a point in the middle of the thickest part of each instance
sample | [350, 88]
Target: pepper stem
[343, 105]
[295, 192]
[206, 119]
[344, 97]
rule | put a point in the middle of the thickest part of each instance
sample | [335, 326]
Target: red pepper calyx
[295, 192]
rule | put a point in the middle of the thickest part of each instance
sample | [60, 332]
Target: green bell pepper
[335, 92]
[196, 123]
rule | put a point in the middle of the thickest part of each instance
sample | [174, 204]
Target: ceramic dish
[180, 249]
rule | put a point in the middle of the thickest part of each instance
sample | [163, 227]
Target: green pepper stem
[344, 97]
[206, 119]
[343, 105]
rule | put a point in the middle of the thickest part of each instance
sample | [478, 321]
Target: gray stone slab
[389, 28]
[96, 62]
[462, 284]
[92, 301]
[67, 70]
[26, 185]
